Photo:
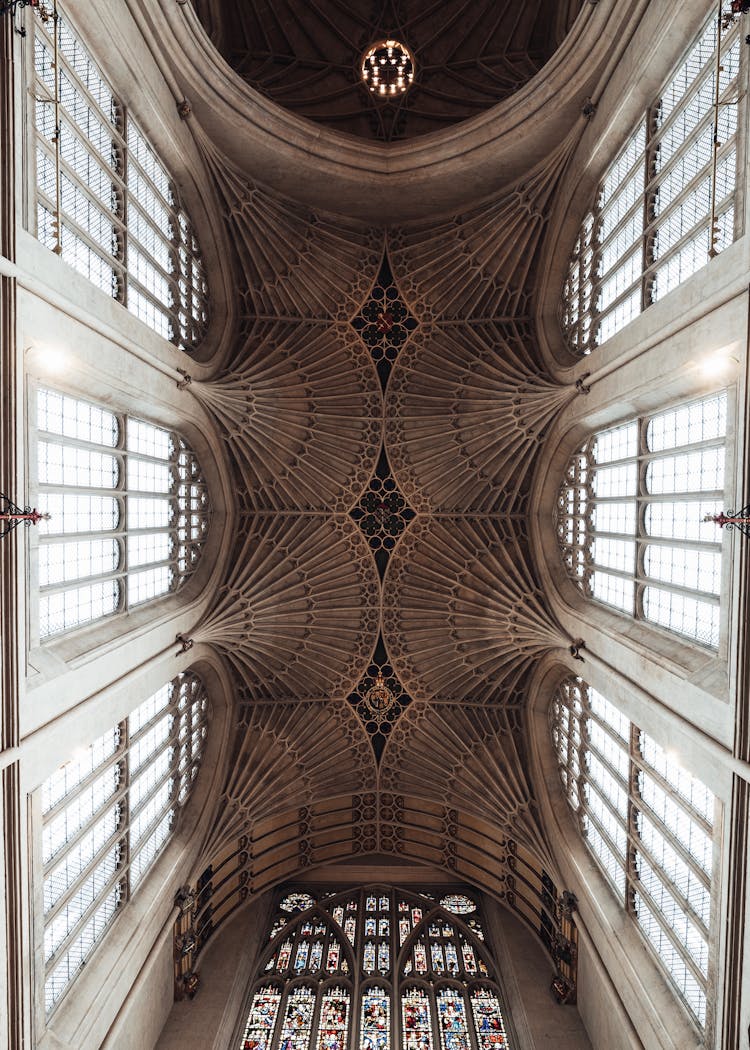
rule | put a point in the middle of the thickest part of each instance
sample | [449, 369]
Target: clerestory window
[121, 223]
[107, 815]
[630, 517]
[667, 204]
[373, 969]
[128, 510]
[650, 825]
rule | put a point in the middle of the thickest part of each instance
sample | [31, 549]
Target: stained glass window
[630, 517]
[649, 823]
[121, 223]
[650, 226]
[107, 815]
[458, 903]
[129, 512]
[414, 974]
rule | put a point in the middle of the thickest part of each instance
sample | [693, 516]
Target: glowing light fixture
[388, 68]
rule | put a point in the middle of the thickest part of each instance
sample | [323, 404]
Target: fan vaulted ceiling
[469, 54]
[382, 407]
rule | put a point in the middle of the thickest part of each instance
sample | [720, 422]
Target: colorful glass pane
[371, 904]
[488, 1020]
[384, 957]
[300, 960]
[416, 915]
[470, 964]
[454, 1034]
[350, 929]
[338, 914]
[403, 905]
[334, 1020]
[306, 929]
[334, 956]
[285, 955]
[451, 958]
[476, 928]
[458, 904]
[351, 906]
[385, 903]
[371, 928]
[436, 955]
[297, 902]
[384, 927]
[415, 1011]
[295, 1032]
[261, 1020]
[368, 962]
[277, 927]
[316, 956]
[404, 930]
[376, 1020]
[420, 957]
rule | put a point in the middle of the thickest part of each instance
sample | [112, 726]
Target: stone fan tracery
[289, 756]
[463, 616]
[471, 757]
[331, 580]
[477, 266]
[298, 615]
[296, 263]
[301, 412]
[465, 412]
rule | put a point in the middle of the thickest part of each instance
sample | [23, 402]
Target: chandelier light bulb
[387, 68]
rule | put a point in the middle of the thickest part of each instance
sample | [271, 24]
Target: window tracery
[128, 512]
[630, 517]
[650, 825]
[121, 224]
[106, 816]
[375, 968]
[662, 210]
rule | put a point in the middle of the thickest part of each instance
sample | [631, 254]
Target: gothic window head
[128, 508]
[662, 210]
[630, 517]
[649, 822]
[373, 969]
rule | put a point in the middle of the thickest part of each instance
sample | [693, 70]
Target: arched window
[128, 512]
[630, 517]
[106, 816]
[121, 222]
[374, 969]
[650, 825]
[662, 210]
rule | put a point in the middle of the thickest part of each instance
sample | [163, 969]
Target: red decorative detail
[384, 321]
[32, 516]
[723, 519]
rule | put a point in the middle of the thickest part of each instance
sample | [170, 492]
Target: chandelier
[388, 68]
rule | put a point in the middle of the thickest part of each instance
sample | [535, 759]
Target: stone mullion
[631, 872]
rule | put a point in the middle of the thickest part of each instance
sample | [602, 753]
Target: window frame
[570, 786]
[394, 982]
[185, 777]
[582, 278]
[189, 313]
[566, 552]
[122, 493]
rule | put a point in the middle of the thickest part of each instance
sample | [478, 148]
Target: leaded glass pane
[650, 226]
[375, 1027]
[261, 1020]
[489, 1024]
[162, 507]
[451, 1012]
[649, 823]
[417, 1022]
[333, 1027]
[121, 224]
[108, 813]
[631, 522]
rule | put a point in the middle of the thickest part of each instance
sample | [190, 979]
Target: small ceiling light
[388, 68]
